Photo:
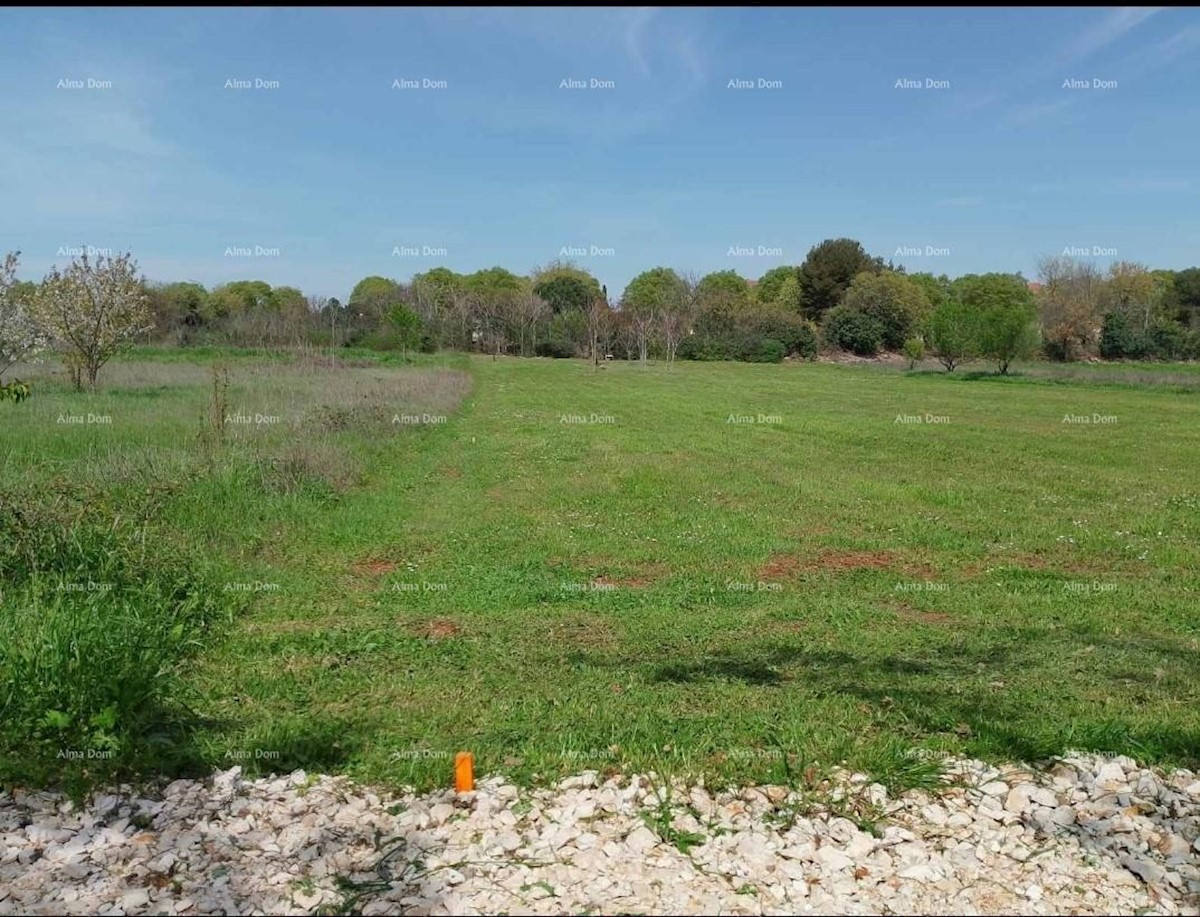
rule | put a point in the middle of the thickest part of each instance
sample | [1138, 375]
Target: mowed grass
[719, 569]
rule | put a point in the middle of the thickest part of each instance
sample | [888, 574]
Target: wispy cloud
[635, 37]
[967, 201]
[1115, 25]
[1186, 40]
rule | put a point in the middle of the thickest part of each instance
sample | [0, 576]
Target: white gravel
[1089, 836]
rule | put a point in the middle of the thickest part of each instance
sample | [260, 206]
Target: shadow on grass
[1002, 701]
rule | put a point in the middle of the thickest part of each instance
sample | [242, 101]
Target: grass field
[728, 569]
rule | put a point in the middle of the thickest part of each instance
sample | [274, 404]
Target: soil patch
[786, 566]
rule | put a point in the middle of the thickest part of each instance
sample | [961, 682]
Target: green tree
[953, 333]
[249, 294]
[983, 291]
[652, 298]
[563, 286]
[1005, 315]
[895, 301]
[936, 288]
[492, 281]
[374, 296]
[1186, 288]
[790, 298]
[494, 294]
[720, 298]
[828, 271]
[406, 325]
[769, 284]
[1117, 339]
[1008, 333]
[176, 307]
[914, 352]
[726, 290]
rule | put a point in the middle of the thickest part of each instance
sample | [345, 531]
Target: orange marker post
[464, 772]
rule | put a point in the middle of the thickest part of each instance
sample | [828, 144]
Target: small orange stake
[464, 772]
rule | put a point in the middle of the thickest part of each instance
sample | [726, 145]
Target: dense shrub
[756, 348]
[555, 347]
[1117, 339]
[897, 303]
[1165, 340]
[98, 614]
[854, 331]
[772, 321]
[1056, 350]
[806, 343]
[706, 347]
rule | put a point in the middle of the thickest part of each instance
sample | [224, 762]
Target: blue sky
[335, 169]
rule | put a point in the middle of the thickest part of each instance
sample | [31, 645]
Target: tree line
[839, 298]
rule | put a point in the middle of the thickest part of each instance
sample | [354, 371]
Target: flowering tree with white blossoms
[21, 339]
[94, 311]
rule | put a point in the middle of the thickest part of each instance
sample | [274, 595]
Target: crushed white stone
[1089, 835]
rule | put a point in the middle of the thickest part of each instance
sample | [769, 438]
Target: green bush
[1118, 341]
[854, 331]
[555, 347]
[16, 391]
[1191, 344]
[98, 614]
[759, 349]
[806, 344]
[706, 347]
[914, 351]
[1165, 340]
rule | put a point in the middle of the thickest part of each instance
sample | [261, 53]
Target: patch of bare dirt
[786, 566]
[631, 575]
[437, 629]
[905, 610]
[374, 567]
[608, 582]
[1026, 561]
